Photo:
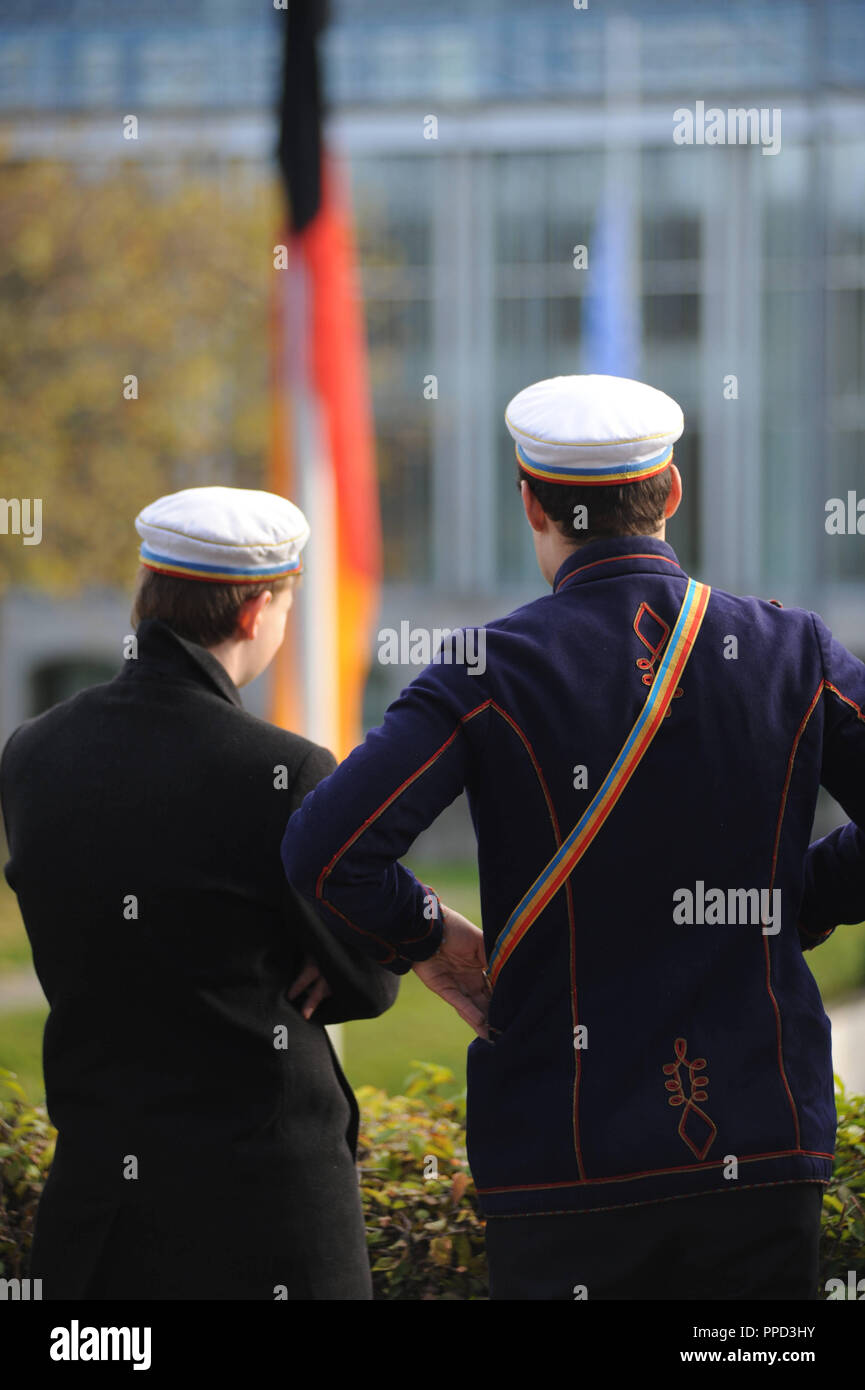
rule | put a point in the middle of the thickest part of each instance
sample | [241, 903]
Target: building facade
[524, 208]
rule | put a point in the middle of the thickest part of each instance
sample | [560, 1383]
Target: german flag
[322, 452]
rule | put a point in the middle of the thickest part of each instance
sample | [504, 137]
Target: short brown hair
[199, 611]
[628, 509]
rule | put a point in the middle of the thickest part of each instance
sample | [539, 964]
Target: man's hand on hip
[456, 971]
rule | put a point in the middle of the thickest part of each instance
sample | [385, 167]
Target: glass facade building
[487, 142]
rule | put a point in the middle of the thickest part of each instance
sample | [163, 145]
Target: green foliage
[109, 274]
[843, 1244]
[424, 1232]
[26, 1150]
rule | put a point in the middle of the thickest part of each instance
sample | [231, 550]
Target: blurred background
[482, 143]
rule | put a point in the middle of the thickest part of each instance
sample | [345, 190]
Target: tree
[161, 273]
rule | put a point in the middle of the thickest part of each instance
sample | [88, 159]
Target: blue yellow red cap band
[222, 574]
[607, 476]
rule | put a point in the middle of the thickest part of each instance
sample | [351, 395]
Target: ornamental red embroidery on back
[661, 632]
[695, 1126]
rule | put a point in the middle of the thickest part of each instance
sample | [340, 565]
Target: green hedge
[26, 1150]
[843, 1243]
[425, 1234]
[424, 1231]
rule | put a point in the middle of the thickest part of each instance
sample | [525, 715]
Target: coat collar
[615, 555]
[161, 649]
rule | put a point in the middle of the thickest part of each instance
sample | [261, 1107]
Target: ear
[671, 506]
[535, 514]
[249, 615]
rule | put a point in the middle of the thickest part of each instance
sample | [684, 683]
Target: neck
[558, 549]
[230, 655]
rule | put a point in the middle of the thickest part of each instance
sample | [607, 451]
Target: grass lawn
[838, 965]
[14, 946]
[21, 1048]
[419, 1028]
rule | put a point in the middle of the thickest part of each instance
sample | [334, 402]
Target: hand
[311, 979]
[456, 971]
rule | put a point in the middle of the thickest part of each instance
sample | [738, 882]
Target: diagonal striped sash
[649, 720]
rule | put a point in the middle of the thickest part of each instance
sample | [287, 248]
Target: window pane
[393, 214]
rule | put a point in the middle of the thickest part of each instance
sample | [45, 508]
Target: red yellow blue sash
[648, 722]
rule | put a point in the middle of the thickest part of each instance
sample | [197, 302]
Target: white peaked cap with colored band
[224, 535]
[593, 429]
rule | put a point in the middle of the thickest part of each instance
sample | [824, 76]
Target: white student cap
[593, 429]
[224, 535]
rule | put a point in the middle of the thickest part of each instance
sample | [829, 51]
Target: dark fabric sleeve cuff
[809, 939]
[426, 943]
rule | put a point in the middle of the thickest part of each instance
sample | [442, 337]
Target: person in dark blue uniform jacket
[650, 1101]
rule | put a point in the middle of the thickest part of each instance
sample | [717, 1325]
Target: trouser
[756, 1243]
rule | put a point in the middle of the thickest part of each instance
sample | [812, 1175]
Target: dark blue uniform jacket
[635, 1056]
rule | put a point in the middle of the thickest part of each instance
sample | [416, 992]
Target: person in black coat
[206, 1132]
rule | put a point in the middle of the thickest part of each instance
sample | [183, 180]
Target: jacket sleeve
[360, 988]
[341, 849]
[835, 865]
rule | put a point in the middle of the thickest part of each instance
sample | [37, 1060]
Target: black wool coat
[206, 1131]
